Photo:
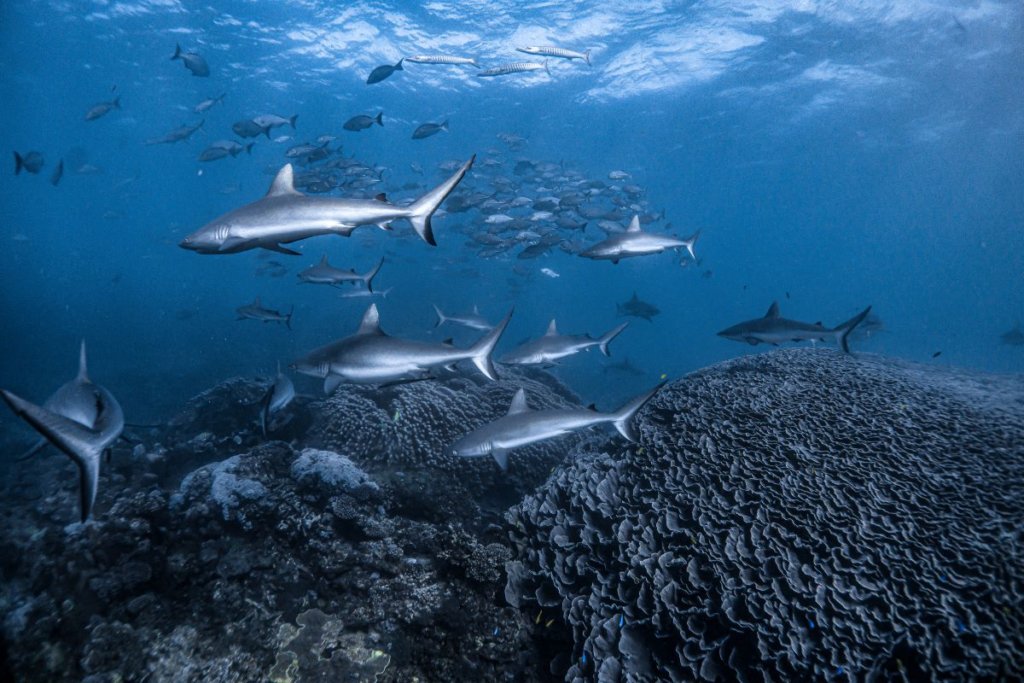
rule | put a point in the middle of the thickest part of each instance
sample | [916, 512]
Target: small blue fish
[621, 621]
[810, 622]
[960, 628]
[496, 631]
[942, 578]
[583, 659]
[839, 671]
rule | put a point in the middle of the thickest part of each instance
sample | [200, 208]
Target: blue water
[834, 156]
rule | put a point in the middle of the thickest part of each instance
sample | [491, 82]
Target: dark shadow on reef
[794, 515]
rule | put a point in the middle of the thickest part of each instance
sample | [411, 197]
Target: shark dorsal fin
[552, 329]
[284, 182]
[518, 403]
[323, 261]
[83, 368]
[371, 321]
[634, 225]
[773, 310]
[635, 297]
[450, 341]
[256, 303]
[381, 197]
[592, 406]
[476, 310]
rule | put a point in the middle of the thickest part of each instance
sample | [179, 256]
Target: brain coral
[795, 515]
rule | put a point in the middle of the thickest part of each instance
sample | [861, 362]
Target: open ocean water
[471, 341]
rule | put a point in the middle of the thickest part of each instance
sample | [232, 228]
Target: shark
[255, 311]
[324, 273]
[638, 308]
[372, 357]
[93, 423]
[285, 215]
[279, 394]
[774, 329]
[74, 400]
[473, 321]
[522, 426]
[636, 242]
[554, 346]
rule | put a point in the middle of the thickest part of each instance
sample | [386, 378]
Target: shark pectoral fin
[501, 457]
[281, 250]
[331, 383]
[230, 244]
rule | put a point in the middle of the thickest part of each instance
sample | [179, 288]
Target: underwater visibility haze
[473, 341]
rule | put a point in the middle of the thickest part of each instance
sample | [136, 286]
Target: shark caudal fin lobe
[586, 57]
[604, 341]
[19, 163]
[623, 417]
[368, 278]
[440, 316]
[83, 366]
[843, 331]
[83, 445]
[177, 51]
[689, 242]
[288, 318]
[482, 350]
[421, 211]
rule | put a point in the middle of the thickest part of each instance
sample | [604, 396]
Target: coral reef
[790, 516]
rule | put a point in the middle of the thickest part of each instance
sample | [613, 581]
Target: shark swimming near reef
[774, 329]
[522, 426]
[372, 357]
[91, 421]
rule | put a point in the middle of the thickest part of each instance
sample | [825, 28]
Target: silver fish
[192, 61]
[442, 59]
[514, 68]
[548, 51]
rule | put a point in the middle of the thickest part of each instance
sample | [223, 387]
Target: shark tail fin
[79, 442]
[292, 120]
[83, 367]
[843, 331]
[379, 118]
[689, 242]
[288, 318]
[423, 209]
[482, 350]
[117, 102]
[546, 67]
[19, 163]
[440, 316]
[586, 57]
[368, 278]
[624, 415]
[248, 148]
[177, 51]
[604, 341]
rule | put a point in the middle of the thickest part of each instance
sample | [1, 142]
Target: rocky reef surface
[789, 516]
